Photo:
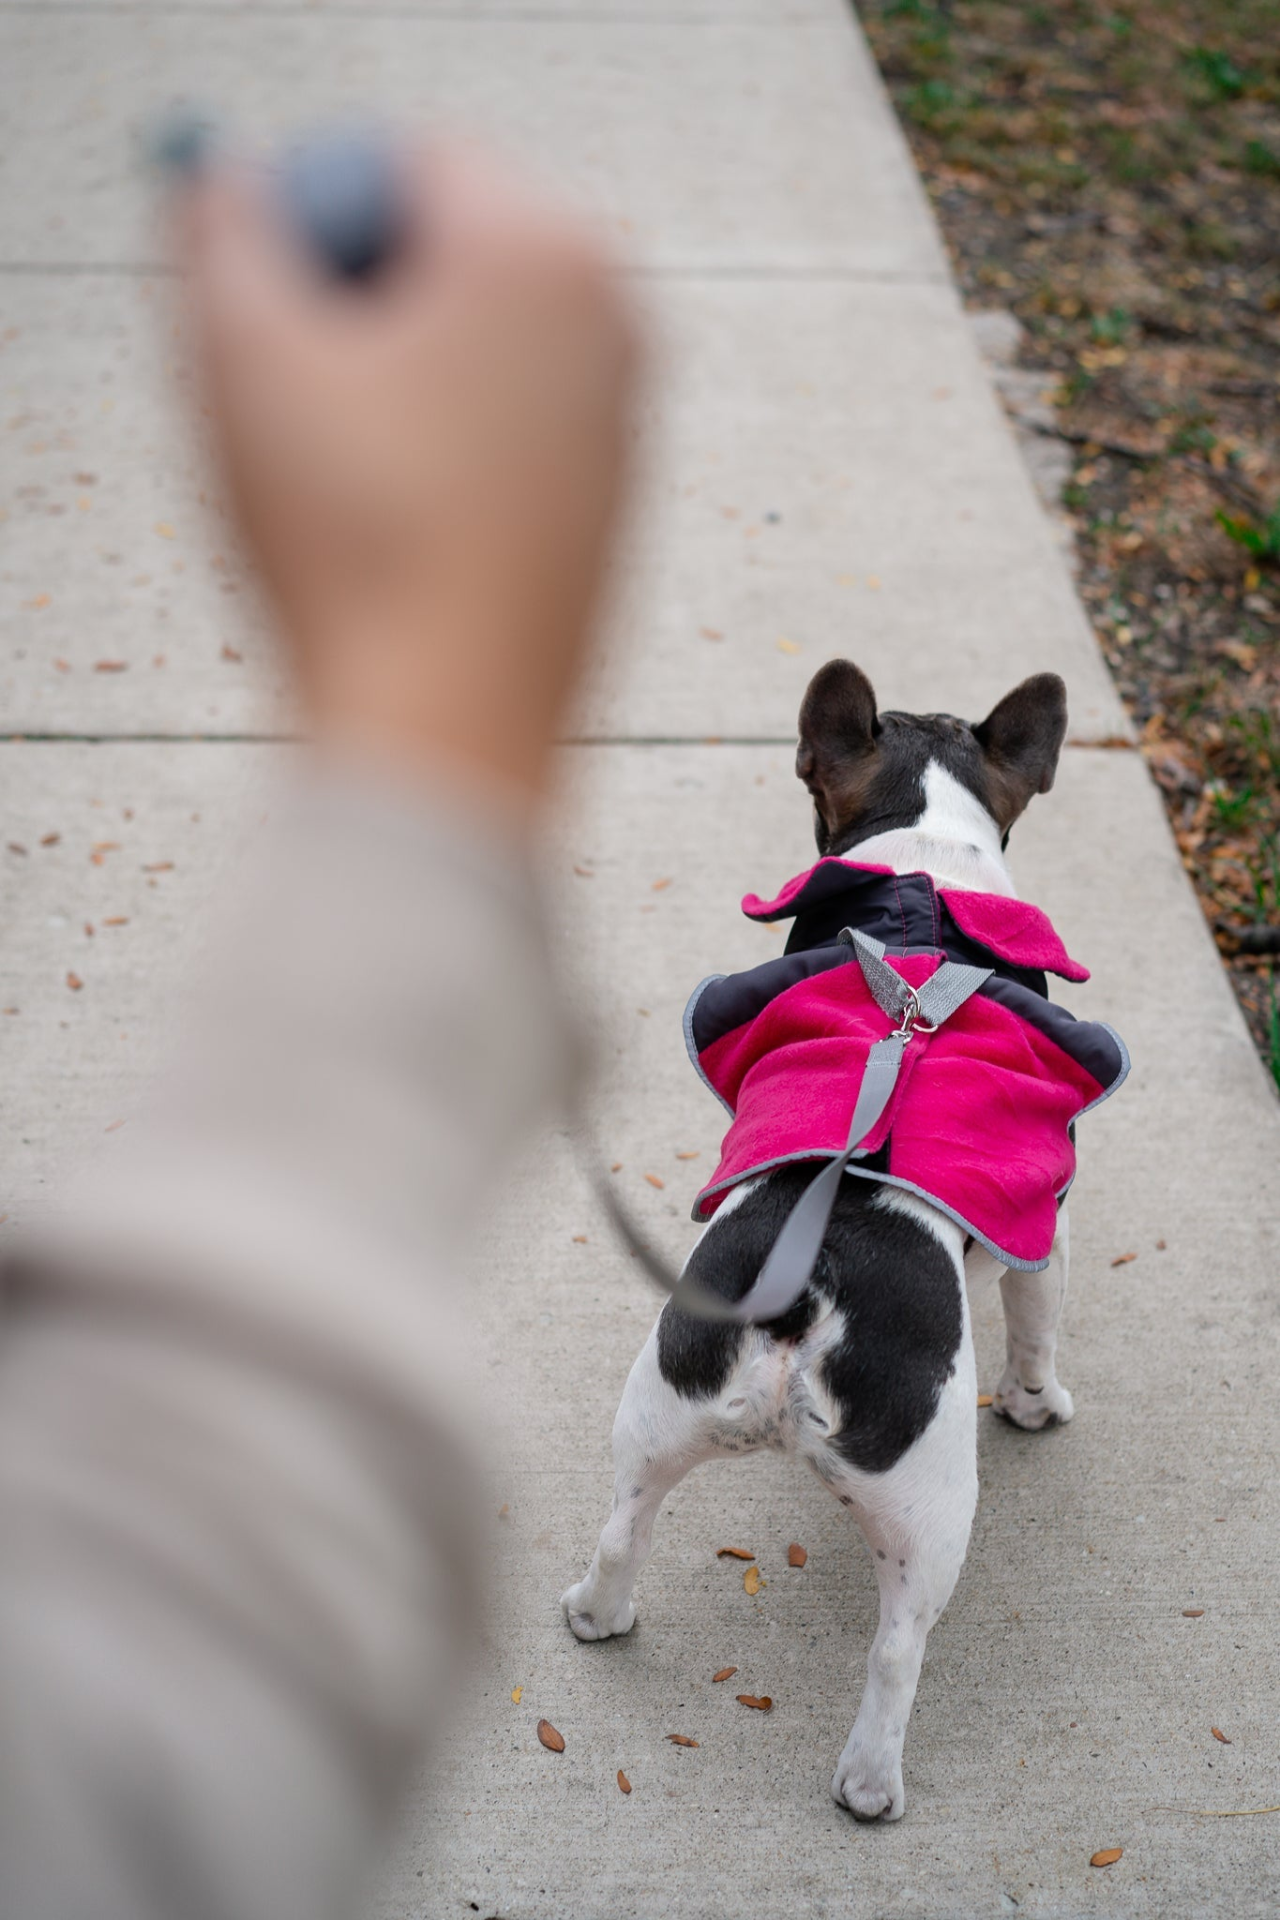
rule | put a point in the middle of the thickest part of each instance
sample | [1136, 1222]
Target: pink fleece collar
[1012, 929]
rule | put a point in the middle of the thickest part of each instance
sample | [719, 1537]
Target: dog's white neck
[955, 841]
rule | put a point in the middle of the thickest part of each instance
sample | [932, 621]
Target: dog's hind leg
[658, 1435]
[916, 1519]
[1029, 1393]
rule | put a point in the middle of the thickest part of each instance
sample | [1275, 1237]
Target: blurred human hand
[426, 471]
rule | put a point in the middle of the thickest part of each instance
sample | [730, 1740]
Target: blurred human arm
[233, 1492]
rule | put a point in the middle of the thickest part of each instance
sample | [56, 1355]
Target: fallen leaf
[624, 1785]
[681, 1740]
[231, 653]
[1193, 1613]
[616, 1167]
[159, 866]
[117, 920]
[1218, 1734]
[733, 1553]
[114, 1127]
[788, 646]
[584, 873]
[1107, 1857]
[88, 927]
[711, 633]
[985, 1399]
[579, 1239]
[106, 846]
[165, 531]
[504, 1511]
[752, 1582]
[873, 583]
[725, 1673]
[1161, 1246]
[517, 1695]
[74, 982]
[660, 886]
[1123, 1259]
[796, 1555]
[760, 1701]
[50, 839]
[551, 1740]
[689, 1156]
[654, 1180]
[41, 600]
[16, 846]
[62, 666]
[111, 666]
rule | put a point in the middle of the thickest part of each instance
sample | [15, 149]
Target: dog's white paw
[869, 1784]
[593, 1618]
[1051, 1407]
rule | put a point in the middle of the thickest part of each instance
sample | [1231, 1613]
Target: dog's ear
[838, 731]
[1021, 739]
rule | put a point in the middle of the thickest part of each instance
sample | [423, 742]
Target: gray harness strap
[789, 1268]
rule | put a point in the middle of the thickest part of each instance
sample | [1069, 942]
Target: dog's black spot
[894, 1284]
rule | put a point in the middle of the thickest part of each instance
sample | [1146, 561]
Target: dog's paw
[869, 1785]
[1051, 1407]
[590, 1619]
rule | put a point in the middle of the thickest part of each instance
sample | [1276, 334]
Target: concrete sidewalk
[826, 471]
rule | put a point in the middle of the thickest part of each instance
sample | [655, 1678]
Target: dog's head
[872, 773]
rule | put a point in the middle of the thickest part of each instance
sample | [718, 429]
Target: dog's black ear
[1021, 739]
[838, 731]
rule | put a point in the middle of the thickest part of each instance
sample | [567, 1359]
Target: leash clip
[912, 1016]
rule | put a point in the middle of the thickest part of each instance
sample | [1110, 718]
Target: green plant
[1260, 540]
[1111, 328]
[1217, 71]
[1273, 1026]
[1260, 158]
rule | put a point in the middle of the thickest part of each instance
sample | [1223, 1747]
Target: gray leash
[789, 1268]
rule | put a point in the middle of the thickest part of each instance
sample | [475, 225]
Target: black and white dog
[870, 1377]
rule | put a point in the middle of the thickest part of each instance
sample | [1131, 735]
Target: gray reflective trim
[691, 1045]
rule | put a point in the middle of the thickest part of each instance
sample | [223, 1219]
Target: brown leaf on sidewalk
[1107, 1857]
[624, 1785]
[796, 1555]
[1123, 1259]
[760, 1701]
[752, 1582]
[553, 1741]
[660, 886]
[681, 1740]
[655, 1180]
[1218, 1734]
[1193, 1613]
[74, 982]
[692, 1155]
[985, 1399]
[50, 839]
[725, 1673]
[111, 666]
[733, 1553]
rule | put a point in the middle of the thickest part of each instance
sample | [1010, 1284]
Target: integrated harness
[968, 1078]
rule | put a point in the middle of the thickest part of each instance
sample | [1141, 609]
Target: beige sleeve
[234, 1501]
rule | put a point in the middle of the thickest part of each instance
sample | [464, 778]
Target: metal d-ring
[912, 1015]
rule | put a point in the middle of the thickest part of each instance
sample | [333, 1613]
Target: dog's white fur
[916, 1516]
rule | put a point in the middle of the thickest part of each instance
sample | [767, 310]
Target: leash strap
[794, 1255]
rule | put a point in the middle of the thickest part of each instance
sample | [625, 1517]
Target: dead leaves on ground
[1218, 1734]
[796, 1555]
[760, 1701]
[1123, 1259]
[733, 1553]
[725, 1673]
[681, 1740]
[551, 1740]
[752, 1581]
[624, 1785]
[1106, 1857]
